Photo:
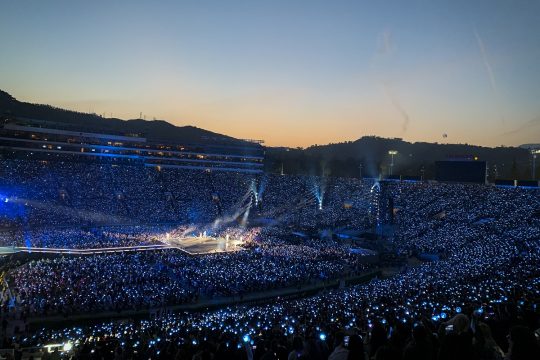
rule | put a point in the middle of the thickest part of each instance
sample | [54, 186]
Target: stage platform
[204, 245]
[191, 245]
[7, 250]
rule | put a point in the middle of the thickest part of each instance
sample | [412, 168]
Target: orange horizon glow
[290, 73]
[279, 127]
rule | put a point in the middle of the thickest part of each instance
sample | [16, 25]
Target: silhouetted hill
[344, 159]
[153, 130]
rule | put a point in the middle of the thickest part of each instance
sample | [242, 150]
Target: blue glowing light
[322, 336]
[318, 190]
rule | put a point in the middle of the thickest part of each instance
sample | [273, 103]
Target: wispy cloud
[385, 43]
[491, 74]
[485, 58]
[533, 123]
[386, 50]
[394, 100]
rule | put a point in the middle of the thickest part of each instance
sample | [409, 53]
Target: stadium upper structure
[23, 138]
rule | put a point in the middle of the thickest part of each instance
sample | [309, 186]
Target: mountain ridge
[160, 130]
[339, 159]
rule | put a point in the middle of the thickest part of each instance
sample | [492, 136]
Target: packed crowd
[443, 218]
[47, 194]
[480, 303]
[141, 280]
[479, 300]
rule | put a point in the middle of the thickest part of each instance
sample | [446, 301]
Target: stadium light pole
[360, 167]
[392, 153]
[534, 152]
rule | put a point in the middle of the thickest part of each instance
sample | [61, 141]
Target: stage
[191, 245]
[197, 245]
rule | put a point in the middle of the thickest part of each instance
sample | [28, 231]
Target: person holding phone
[340, 351]
[456, 339]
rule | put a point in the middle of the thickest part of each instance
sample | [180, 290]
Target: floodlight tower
[392, 153]
[534, 152]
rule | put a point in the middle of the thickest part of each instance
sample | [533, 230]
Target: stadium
[118, 246]
[269, 180]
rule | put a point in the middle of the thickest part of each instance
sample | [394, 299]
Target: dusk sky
[293, 73]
